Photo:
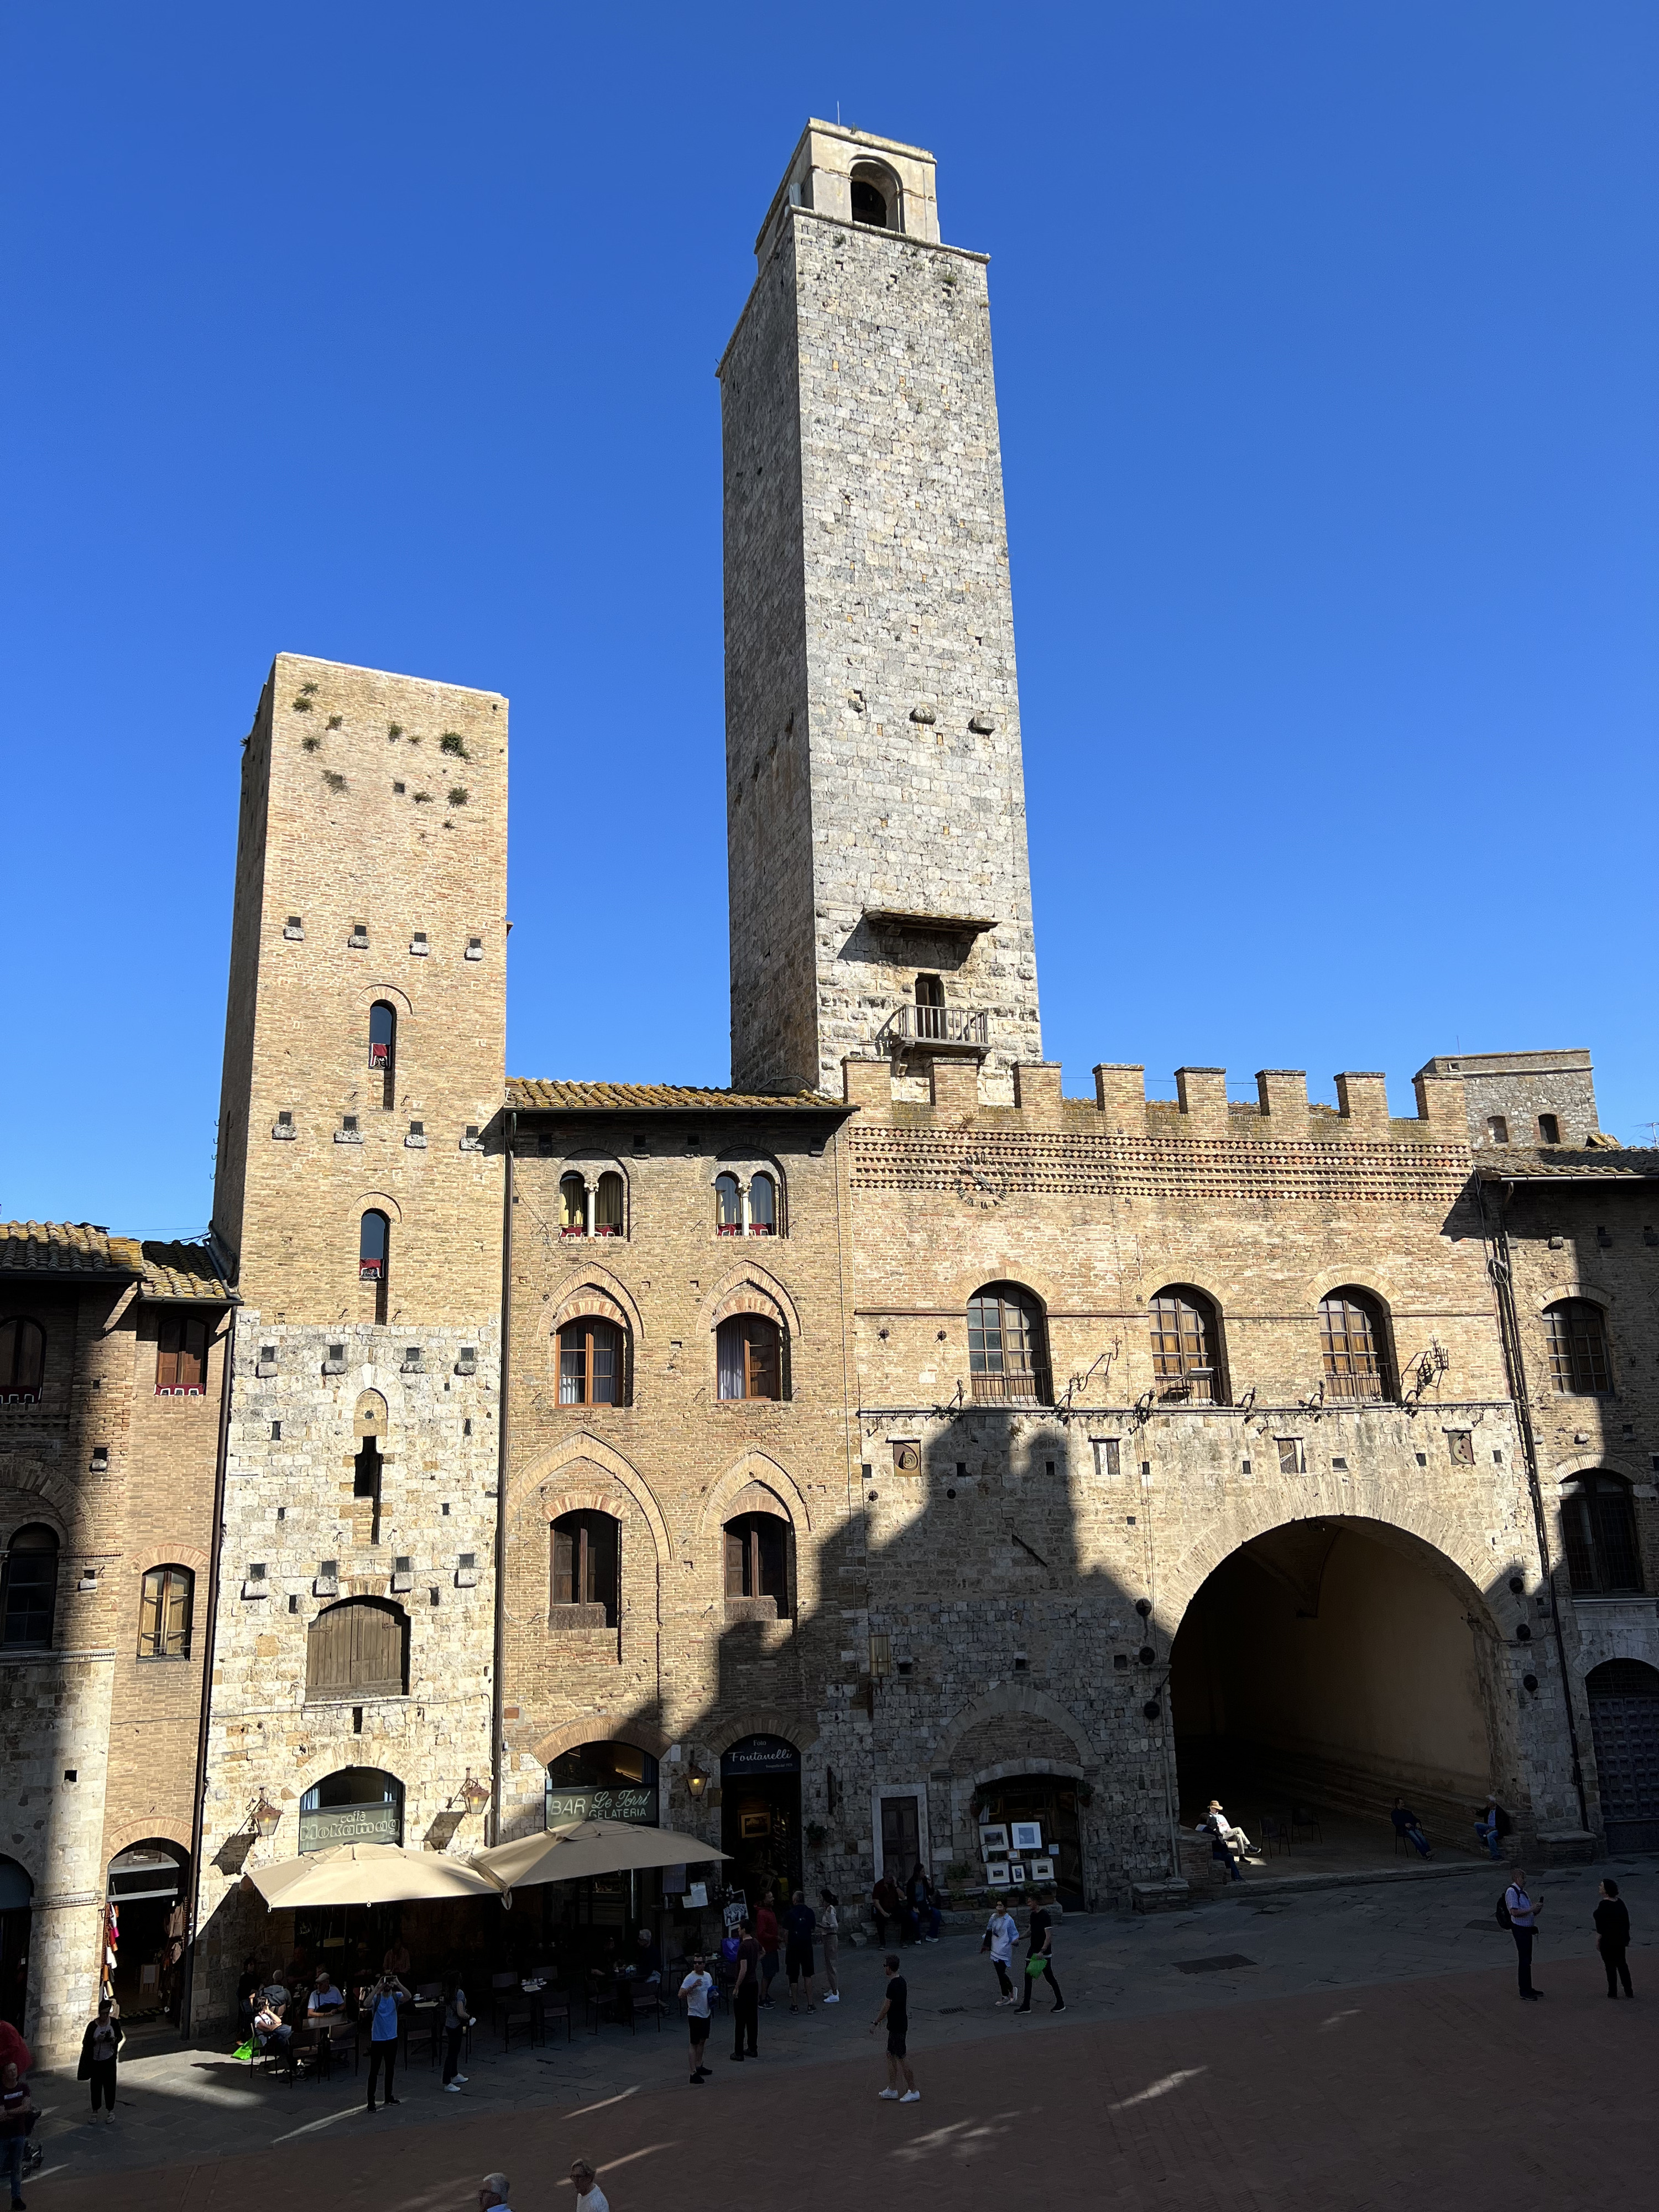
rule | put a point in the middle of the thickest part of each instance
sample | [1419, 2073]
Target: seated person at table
[647, 1958]
[269, 2025]
[605, 1970]
[396, 1960]
[247, 1989]
[325, 2001]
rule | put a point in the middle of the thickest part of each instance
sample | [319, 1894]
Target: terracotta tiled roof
[181, 1271]
[529, 1092]
[66, 1247]
[1622, 1163]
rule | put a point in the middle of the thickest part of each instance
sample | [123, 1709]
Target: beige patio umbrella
[581, 1848]
[366, 1873]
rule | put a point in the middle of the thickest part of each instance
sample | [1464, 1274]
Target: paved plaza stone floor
[1360, 2046]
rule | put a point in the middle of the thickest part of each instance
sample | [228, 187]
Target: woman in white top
[830, 1940]
[1000, 1935]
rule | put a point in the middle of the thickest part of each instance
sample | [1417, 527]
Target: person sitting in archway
[1491, 1826]
[1227, 1843]
[1406, 1824]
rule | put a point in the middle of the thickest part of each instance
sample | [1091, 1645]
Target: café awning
[366, 1873]
[582, 1848]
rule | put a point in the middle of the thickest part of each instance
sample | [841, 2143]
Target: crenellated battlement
[1281, 1112]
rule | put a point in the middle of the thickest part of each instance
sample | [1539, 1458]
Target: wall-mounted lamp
[265, 1817]
[696, 1783]
[475, 1795]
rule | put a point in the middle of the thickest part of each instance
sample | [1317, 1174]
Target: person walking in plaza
[802, 1923]
[696, 1990]
[383, 1999]
[1523, 1926]
[769, 1936]
[1611, 1918]
[493, 2193]
[924, 1904]
[745, 1994]
[15, 2113]
[829, 1937]
[457, 2021]
[896, 2012]
[1039, 1958]
[1406, 1824]
[1001, 1934]
[590, 2197]
[100, 2048]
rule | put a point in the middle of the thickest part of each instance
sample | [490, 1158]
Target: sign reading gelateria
[351, 1824]
[620, 1803]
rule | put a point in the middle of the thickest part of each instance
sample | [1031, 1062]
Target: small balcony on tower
[937, 1030]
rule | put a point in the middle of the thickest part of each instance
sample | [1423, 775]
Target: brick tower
[358, 1210]
[880, 895]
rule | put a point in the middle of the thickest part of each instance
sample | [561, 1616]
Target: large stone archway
[1332, 1664]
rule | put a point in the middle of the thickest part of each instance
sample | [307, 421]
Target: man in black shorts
[697, 1988]
[801, 1923]
[895, 2011]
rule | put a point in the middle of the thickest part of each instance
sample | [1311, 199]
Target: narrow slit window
[763, 1207]
[375, 1258]
[164, 1614]
[608, 1205]
[728, 1205]
[383, 1048]
[573, 1205]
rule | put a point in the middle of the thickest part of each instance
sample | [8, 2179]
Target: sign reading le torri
[905, 1443]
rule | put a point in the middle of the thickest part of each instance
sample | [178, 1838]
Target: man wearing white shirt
[590, 2197]
[1004, 1935]
[1523, 1926]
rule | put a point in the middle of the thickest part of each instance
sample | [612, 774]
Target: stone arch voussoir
[719, 1736]
[756, 1467]
[597, 1729]
[1011, 1700]
[591, 1462]
[751, 1288]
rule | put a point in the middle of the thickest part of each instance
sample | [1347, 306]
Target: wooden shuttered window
[758, 1559]
[181, 1355]
[358, 1648]
[749, 1357]
[586, 1562]
[164, 1614]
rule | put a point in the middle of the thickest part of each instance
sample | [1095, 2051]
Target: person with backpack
[1517, 1912]
[1611, 1917]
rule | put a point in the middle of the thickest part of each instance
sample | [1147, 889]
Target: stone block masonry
[875, 797]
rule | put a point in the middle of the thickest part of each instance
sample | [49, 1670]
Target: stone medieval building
[845, 1467]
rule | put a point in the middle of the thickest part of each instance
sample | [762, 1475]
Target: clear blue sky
[1326, 349]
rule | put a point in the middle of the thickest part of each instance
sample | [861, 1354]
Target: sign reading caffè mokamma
[351, 1824]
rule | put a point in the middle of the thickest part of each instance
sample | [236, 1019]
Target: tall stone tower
[876, 807]
[358, 1212]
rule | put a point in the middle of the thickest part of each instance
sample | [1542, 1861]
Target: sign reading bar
[760, 1755]
[636, 1804]
[351, 1824]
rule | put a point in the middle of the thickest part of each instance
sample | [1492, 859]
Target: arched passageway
[1331, 1665]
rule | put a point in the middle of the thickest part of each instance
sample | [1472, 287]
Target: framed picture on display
[996, 1873]
[993, 1839]
[1043, 1870]
[1026, 1836]
[1016, 1873]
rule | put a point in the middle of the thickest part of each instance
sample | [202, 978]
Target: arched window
[181, 1356]
[749, 1357]
[22, 1360]
[591, 1366]
[29, 1599]
[358, 1805]
[757, 1561]
[382, 1049]
[728, 1205]
[375, 1257]
[1598, 1526]
[1578, 1348]
[608, 1205]
[358, 1649]
[586, 1568]
[164, 1614]
[1007, 1345]
[573, 1205]
[875, 196]
[1185, 1344]
[1354, 1340]
[763, 1207]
